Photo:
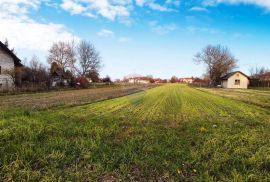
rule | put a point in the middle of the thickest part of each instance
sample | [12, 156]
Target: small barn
[9, 64]
[235, 79]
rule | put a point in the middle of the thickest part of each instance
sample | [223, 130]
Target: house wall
[138, 81]
[243, 81]
[143, 81]
[6, 63]
[224, 83]
[131, 81]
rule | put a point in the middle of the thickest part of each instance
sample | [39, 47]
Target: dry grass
[46, 100]
[257, 97]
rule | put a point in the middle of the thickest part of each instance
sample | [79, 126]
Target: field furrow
[168, 133]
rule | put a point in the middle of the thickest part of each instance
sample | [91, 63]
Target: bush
[82, 82]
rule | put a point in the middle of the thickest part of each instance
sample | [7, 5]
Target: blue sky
[147, 37]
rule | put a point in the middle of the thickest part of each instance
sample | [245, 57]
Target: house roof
[17, 61]
[227, 76]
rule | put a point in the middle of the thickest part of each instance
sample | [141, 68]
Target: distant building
[186, 80]
[59, 77]
[265, 76]
[139, 80]
[235, 79]
[9, 64]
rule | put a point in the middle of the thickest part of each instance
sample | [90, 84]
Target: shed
[235, 79]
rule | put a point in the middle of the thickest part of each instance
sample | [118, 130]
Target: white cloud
[193, 29]
[262, 3]
[198, 9]
[140, 2]
[123, 39]
[241, 35]
[173, 2]
[26, 33]
[105, 33]
[114, 9]
[110, 9]
[72, 7]
[152, 4]
[155, 6]
[161, 29]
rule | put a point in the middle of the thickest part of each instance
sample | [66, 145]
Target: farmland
[40, 101]
[252, 96]
[167, 133]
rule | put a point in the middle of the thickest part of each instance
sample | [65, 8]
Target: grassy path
[169, 133]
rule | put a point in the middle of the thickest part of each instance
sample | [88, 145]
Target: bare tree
[255, 72]
[174, 79]
[93, 75]
[89, 58]
[7, 45]
[39, 71]
[218, 61]
[62, 53]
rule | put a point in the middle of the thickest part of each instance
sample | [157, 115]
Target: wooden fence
[259, 83]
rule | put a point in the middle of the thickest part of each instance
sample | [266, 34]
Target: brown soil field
[40, 101]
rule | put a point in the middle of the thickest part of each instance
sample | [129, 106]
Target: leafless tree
[255, 72]
[89, 59]
[62, 53]
[174, 79]
[7, 45]
[218, 61]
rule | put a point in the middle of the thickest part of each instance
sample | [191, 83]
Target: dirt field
[40, 101]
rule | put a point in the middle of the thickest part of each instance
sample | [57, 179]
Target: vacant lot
[257, 97]
[169, 133]
[72, 97]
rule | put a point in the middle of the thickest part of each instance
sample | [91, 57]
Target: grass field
[168, 133]
[44, 100]
[252, 96]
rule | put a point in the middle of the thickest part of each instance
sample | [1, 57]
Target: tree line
[70, 63]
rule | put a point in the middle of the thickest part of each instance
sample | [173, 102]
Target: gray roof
[227, 76]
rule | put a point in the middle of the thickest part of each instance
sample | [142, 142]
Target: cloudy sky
[148, 37]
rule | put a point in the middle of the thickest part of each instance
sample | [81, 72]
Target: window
[237, 82]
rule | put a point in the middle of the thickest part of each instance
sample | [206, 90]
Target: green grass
[165, 133]
[253, 96]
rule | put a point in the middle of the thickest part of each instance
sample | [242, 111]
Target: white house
[235, 79]
[139, 80]
[8, 64]
[186, 80]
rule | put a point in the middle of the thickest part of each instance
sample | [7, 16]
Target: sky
[146, 37]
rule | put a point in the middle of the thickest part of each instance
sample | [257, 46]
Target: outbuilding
[235, 79]
[9, 65]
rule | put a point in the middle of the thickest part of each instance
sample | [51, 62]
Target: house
[235, 79]
[265, 76]
[9, 64]
[139, 80]
[60, 78]
[186, 80]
